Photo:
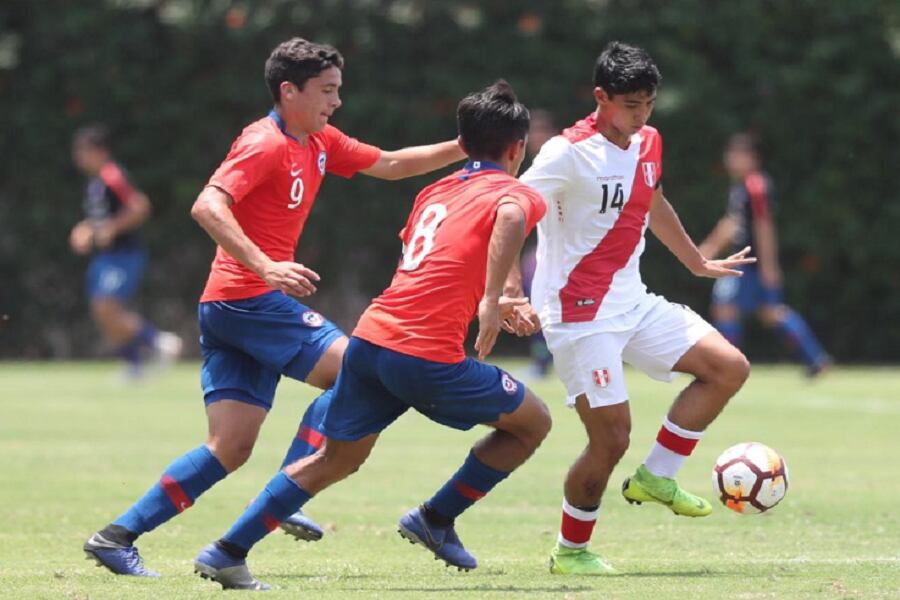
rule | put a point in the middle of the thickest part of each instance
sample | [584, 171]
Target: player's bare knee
[772, 316]
[543, 422]
[105, 309]
[232, 454]
[342, 459]
[611, 445]
[731, 371]
[537, 424]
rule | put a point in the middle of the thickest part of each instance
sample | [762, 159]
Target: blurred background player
[749, 220]
[460, 244]
[542, 128]
[114, 211]
[602, 182]
[253, 328]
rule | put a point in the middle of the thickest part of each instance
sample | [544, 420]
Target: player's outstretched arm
[415, 160]
[507, 239]
[212, 210]
[766, 244]
[667, 227]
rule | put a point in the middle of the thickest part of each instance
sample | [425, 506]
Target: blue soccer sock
[309, 436]
[281, 498]
[731, 330]
[146, 335]
[180, 485]
[470, 483]
[797, 335]
[130, 352]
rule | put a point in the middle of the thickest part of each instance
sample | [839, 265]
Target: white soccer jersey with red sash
[592, 237]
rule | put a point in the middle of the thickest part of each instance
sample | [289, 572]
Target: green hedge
[176, 80]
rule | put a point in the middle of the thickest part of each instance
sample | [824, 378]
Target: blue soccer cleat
[302, 527]
[121, 560]
[230, 572]
[443, 541]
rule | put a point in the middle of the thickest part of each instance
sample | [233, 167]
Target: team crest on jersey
[313, 319]
[321, 162]
[601, 377]
[649, 169]
[509, 384]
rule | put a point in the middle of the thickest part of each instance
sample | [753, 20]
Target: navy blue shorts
[748, 293]
[249, 344]
[116, 273]
[377, 385]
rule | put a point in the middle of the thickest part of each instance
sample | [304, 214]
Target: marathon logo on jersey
[509, 384]
[649, 169]
[321, 162]
[585, 302]
[601, 377]
[313, 319]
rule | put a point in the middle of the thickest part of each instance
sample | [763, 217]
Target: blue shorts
[116, 273]
[377, 385]
[249, 344]
[748, 292]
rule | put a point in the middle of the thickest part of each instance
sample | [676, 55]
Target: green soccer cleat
[577, 561]
[644, 486]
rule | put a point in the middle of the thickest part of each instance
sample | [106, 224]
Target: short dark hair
[490, 120]
[95, 135]
[624, 69]
[298, 60]
[744, 141]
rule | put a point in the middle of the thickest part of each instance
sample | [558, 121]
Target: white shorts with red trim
[588, 357]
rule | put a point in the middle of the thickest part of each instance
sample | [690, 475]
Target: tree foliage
[177, 79]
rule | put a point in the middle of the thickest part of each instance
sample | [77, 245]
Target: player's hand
[104, 234]
[82, 238]
[726, 267]
[489, 322]
[519, 318]
[291, 278]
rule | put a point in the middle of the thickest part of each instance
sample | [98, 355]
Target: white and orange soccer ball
[750, 478]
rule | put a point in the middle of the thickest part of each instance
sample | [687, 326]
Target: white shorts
[588, 356]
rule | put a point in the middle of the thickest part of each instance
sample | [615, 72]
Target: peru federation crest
[601, 377]
[649, 169]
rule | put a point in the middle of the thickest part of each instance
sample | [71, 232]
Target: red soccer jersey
[440, 280]
[274, 179]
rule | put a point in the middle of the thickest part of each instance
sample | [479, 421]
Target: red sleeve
[252, 157]
[115, 180]
[347, 155]
[759, 195]
[531, 203]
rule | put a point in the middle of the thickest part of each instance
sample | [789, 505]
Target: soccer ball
[750, 478]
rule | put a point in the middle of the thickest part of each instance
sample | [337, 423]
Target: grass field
[77, 448]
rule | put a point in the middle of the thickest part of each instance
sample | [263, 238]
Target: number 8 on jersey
[415, 251]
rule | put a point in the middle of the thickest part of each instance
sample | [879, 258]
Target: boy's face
[88, 158]
[739, 161]
[313, 106]
[627, 113]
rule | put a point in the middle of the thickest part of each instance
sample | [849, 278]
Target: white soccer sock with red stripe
[577, 525]
[673, 445]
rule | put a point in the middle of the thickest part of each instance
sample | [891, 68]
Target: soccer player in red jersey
[460, 243]
[253, 328]
[114, 211]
